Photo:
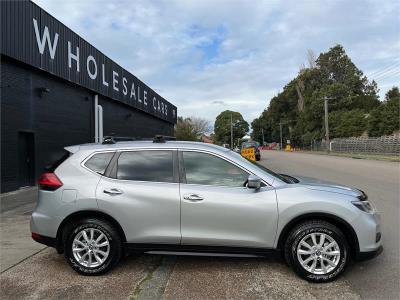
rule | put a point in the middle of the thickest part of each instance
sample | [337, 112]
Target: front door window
[206, 169]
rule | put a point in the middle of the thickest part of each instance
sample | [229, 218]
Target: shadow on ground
[47, 276]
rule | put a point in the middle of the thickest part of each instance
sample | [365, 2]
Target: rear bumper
[45, 240]
[369, 255]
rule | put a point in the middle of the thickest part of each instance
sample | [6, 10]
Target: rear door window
[154, 166]
[98, 163]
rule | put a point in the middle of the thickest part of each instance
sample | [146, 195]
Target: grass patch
[138, 289]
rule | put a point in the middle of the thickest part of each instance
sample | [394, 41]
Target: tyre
[92, 246]
[317, 251]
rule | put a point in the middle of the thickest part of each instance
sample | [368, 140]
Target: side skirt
[198, 249]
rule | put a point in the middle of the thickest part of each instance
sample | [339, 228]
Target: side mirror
[253, 182]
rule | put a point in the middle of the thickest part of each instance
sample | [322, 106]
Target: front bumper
[369, 255]
[368, 229]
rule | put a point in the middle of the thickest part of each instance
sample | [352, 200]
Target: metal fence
[385, 145]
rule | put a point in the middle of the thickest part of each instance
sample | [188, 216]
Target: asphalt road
[34, 272]
[378, 278]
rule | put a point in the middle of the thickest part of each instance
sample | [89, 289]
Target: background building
[58, 90]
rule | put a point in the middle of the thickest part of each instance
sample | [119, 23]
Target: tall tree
[200, 126]
[222, 126]
[191, 129]
[300, 105]
[385, 119]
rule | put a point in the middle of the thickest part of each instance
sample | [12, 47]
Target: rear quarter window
[56, 159]
[98, 163]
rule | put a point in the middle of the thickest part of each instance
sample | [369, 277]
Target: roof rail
[157, 139]
[113, 139]
[163, 138]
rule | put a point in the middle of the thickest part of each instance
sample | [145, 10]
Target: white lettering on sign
[41, 42]
[124, 89]
[91, 59]
[138, 94]
[133, 93]
[104, 76]
[115, 81]
[72, 56]
[145, 97]
[154, 103]
[161, 107]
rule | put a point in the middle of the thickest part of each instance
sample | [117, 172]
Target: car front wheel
[317, 251]
[92, 247]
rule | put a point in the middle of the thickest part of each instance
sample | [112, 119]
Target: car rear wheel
[92, 247]
[317, 251]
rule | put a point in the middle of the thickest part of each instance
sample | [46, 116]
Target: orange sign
[249, 153]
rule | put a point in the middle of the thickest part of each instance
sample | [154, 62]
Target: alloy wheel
[91, 247]
[318, 253]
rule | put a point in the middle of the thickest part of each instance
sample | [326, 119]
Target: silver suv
[107, 200]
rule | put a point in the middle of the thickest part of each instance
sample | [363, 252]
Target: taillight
[49, 182]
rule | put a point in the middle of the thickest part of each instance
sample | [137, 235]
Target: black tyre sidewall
[298, 235]
[113, 238]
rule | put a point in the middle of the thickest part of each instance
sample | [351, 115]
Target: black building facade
[52, 83]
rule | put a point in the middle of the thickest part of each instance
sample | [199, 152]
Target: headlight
[363, 205]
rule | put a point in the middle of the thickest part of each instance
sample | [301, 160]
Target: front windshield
[261, 168]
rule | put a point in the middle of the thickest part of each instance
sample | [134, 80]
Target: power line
[388, 71]
[385, 69]
[388, 74]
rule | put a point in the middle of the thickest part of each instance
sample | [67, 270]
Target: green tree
[385, 119]
[347, 123]
[333, 75]
[222, 126]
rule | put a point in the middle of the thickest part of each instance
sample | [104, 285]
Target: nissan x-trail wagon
[108, 200]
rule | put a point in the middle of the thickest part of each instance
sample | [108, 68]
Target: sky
[212, 55]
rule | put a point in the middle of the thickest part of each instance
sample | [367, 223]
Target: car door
[218, 210]
[142, 194]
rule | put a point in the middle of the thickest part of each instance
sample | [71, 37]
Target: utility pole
[231, 133]
[327, 123]
[262, 132]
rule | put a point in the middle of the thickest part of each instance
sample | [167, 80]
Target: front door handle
[193, 197]
[113, 192]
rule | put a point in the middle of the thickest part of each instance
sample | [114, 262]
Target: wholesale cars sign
[31, 35]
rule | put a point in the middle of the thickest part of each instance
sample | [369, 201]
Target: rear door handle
[193, 197]
[113, 192]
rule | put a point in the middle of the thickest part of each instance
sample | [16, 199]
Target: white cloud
[207, 56]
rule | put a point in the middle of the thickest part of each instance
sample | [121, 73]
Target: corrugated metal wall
[64, 116]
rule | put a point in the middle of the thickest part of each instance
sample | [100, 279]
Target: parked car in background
[255, 145]
[106, 200]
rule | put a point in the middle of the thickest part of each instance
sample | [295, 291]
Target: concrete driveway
[43, 274]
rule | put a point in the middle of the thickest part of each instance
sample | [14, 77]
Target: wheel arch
[344, 226]
[85, 214]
